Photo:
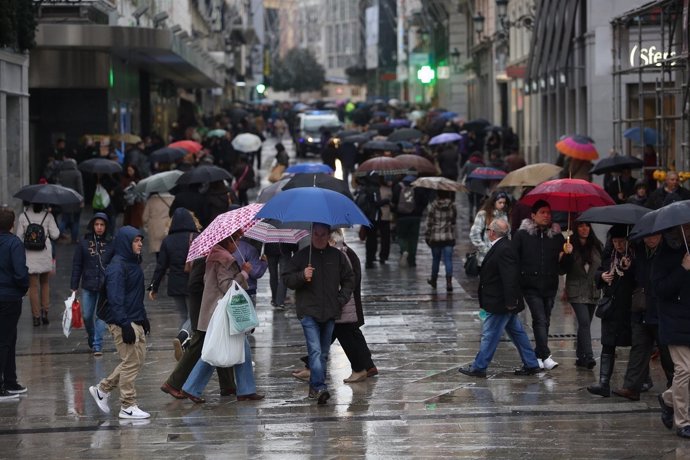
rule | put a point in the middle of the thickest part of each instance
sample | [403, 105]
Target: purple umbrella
[445, 138]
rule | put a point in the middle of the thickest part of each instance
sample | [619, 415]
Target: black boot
[605, 371]
[449, 283]
[432, 281]
[44, 317]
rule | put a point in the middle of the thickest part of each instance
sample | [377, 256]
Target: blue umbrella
[444, 138]
[313, 204]
[649, 136]
[311, 168]
[448, 115]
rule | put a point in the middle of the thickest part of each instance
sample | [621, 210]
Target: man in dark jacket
[500, 297]
[658, 197]
[323, 282]
[126, 318]
[14, 282]
[539, 247]
[88, 267]
[671, 281]
[408, 218]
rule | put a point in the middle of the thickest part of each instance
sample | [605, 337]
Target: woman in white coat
[39, 262]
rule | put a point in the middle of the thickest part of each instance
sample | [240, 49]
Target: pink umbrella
[222, 227]
[267, 233]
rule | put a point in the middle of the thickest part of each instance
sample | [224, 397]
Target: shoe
[549, 364]
[101, 398]
[603, 388]
[356, 377]
[44, 318]
[684, 432]
[6, 395]
[97, 353]
[15, 388]
[449, 284]
[37, 321]
[372, 371]
[528, 370]
[251, 397]
[192, 398]
[432, 282]
[627, 393]
[580, 363]
[172, 391]
[312, 393]
[228, 391]
[591, 363]
[322, 397]
[403, 259]
[185, 343]
[647, 385]
[280, 307]
[540, 363]
[468, 370]
[302, 375]
[666, 412]
[133, 412]
[177, 347]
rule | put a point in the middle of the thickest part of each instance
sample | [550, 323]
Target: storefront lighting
[111, 78]
[240, 83]
[542, 83]
[552, 81]
[562, 78]
[535, 88]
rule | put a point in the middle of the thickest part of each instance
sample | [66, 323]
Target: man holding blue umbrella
[323, 282]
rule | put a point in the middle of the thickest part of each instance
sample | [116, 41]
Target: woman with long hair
[496, 207]
[579, 265]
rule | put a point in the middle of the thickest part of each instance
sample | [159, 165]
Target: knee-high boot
[605, 371]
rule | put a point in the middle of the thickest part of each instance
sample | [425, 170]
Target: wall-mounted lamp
[478, 21]
[139, 12]
[526, 20]
[455, 59]
[176, 29]
[159, 19]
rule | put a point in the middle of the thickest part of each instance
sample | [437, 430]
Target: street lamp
[455, 59]
[478, 21]
[525, 20]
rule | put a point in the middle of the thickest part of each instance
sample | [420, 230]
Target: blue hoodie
[124, 281]
[90, 255]
[14, 276]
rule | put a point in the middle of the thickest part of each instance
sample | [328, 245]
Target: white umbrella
[246, 142]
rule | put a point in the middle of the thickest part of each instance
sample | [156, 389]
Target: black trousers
[643, 338]
[10, 311]
[354, 345]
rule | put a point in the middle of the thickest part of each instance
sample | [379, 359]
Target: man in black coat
[500, 297]
[671, 281]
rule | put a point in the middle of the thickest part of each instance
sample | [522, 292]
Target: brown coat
[156, 219]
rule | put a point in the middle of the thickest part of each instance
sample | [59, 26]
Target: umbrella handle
[308, 280]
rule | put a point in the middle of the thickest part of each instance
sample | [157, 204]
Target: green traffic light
[260, 88]
[426, 74]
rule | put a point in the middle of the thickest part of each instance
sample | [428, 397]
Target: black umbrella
[167, 155]
[100, 165]
[345, 133]
[616, 163]
[671, 215]
[356, 139]
[478, 124]
[49, 194]
[643, 227]
[319, 180]
[202, 174]
[381, 145]
[383, 129]
[405, 134]
[628, 214]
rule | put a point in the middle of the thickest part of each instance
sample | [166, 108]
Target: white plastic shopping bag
[67, 315]
[240, 310]
[221, 349]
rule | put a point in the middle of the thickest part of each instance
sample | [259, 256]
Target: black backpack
[406, 203]
[35, 235]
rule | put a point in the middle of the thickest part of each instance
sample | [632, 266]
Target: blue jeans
[492, 330]
[436, 253]
[244, 375]
[95, 328]
[318, 336]
[70, 220]
[540, 308]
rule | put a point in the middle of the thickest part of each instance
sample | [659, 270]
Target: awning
[158, 51]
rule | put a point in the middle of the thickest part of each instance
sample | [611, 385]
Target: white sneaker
[7, 396]
[541, 363]
[133, 412]
[101, 398]
[550, 364]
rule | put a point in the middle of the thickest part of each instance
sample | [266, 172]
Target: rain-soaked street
[419, 406]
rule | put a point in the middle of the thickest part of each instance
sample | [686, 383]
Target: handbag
[77, 319]
[639, 300]
[471, 265]
[221, 349]
[604, 307]
[240, 310]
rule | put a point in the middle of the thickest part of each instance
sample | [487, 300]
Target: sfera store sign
[643, 56]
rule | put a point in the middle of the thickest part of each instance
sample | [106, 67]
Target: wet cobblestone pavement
[419, 406]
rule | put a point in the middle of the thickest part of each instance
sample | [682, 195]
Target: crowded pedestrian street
[418, 406]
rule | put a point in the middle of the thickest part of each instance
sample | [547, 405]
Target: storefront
[650, 83]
